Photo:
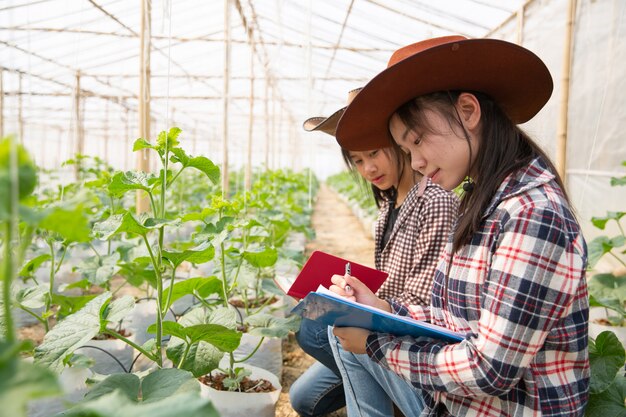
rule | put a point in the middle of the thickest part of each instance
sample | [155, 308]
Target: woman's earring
[468, 185]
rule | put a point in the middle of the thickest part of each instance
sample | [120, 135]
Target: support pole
[225, 100]
[105, 155]
[143, 157]
[1, 102]
[127, 149]
[248, 175]
[20, 117]
[267, 124]
[79, 144]
[561, 136]
[520, 24]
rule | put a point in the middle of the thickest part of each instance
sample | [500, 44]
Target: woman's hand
[352, 339]
[353, 289]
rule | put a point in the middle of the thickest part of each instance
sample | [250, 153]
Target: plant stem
[170, 290]
[61, 260]
[159, 318]
[176, 176]
[35, 315]
[153, 204]
[251, 353]
[618, 259]
[51, 284]
[8, 278]
[182, 359]
[93, 248]
[132, 344]
[223, 268]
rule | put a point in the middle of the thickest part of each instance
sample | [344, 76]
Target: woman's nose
[370, 166]
[417, 162]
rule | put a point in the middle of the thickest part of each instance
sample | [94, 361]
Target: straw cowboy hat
[512, 76]
[329, 124]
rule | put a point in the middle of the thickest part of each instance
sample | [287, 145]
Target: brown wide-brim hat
[328, 124]
[514, 77]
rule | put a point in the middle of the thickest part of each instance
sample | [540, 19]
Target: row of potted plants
[238, 239]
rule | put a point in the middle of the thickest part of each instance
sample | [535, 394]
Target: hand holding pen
[348, 271]
[350, 287]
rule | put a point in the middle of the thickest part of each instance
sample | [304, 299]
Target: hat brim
[324, 124]
[512, 76]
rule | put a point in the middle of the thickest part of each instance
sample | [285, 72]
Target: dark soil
[247, 385]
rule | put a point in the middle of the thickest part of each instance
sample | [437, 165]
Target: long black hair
[400, 160]
[504, 148]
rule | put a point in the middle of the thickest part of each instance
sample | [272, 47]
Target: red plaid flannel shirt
[518, 291]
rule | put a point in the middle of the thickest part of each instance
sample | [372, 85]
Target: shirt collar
[531, 176]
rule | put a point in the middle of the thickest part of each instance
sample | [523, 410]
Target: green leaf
[70, 334]
[600, 222]
[33, 265]
[116, 404]
[206, 166]
[169, 328]
[152, 223]
[608, 290]
[142, 144]
[154, 387]
[171, 139]
[180, 156]
[199, 216]
[203, 357]
[21, 382]
[26, 173]
[69, 305]
[118, 223]
[602, 245]
[99, 270]
[32, 297]
[198, 255]
[615, 181]
[609, 402]
[71, 223]
[126, 384]
[225, 316]
[165, 383]
[606, 358]
[202, 287]
[224, 339]
[272, 326]
[130, 180]
[136, 273]
[118, 309]
[265, 258]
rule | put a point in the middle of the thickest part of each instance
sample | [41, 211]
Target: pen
[348, 271]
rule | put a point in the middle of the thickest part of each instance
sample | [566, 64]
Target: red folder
[319, 269]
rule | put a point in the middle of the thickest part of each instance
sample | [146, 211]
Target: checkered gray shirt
[415, 244]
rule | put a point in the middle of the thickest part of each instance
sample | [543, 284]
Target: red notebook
[318, 270]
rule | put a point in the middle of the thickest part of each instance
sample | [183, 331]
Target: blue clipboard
[339, 312]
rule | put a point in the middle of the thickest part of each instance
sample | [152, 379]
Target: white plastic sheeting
[309, 54]
[596, 142]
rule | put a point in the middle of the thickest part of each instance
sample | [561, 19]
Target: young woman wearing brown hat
[512, 277]
[411, 230]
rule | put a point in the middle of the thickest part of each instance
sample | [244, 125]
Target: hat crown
[417, 47]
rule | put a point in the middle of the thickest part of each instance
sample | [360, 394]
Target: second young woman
[414, 222]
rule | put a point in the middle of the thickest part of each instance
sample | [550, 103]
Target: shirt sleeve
[535, 275]
[436, 219]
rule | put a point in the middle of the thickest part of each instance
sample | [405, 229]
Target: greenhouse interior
[168, 218]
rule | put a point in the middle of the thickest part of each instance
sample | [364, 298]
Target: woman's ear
[469, 110]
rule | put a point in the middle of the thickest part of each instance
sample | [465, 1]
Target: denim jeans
[319, 390]
[370, 389]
